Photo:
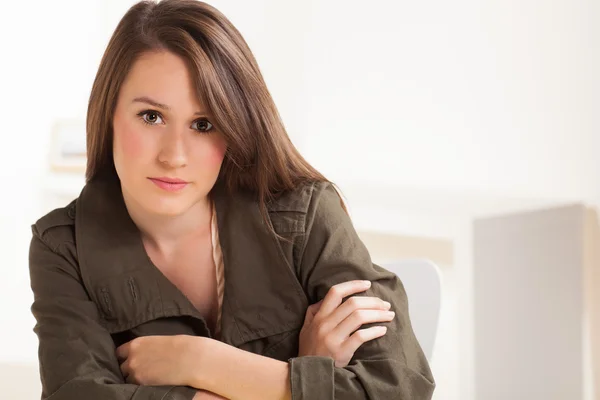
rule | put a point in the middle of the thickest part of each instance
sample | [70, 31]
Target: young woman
[187, 267]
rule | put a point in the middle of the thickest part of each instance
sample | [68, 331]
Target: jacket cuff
[165, 393]
[312, 378]
[181, 393]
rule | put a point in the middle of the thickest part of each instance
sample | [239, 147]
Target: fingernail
[391, 313]
[382, 328]
[387, 305]
[367, 283]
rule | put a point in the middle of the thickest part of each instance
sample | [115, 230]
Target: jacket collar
[262, 295]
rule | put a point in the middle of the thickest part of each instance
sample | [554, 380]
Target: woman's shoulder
[306, 207]
[57, 226]
[302, 198]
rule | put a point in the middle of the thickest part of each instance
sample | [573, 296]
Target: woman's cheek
[217, 152]
[132, 145]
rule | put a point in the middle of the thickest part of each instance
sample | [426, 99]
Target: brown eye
[203, 126]
[150, 117]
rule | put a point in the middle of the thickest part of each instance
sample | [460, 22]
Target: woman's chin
[169, 207]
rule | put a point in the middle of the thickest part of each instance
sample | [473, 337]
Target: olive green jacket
[95, 288]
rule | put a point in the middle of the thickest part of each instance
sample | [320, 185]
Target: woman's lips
[170, 185]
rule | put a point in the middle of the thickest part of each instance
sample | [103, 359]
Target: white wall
[494, 97]
[46, 72]
[492, 104]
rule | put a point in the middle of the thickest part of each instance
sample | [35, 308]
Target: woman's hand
[329, 325]
[159, 360]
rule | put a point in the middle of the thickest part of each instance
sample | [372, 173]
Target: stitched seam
[162, 305]
[275, 346]
[55, 248]
[164, 396]
[305, 236]
[44, 230]
[287, 227]
[235, 323]
[106, 301]
[420, 375]
[291, 270]
[292, 387]
[274, 331]
[168, 312]
[132, 289]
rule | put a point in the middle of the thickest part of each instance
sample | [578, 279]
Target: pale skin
[180, 141]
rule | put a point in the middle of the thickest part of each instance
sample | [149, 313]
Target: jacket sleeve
[390, 367]
[76, 353]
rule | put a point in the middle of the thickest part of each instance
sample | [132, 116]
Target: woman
[186, 267]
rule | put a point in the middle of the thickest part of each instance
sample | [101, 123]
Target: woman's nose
[173, 150]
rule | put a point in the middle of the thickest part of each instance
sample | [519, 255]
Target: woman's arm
[238, 374]
[240, 366]
[391, 367]
[216, 369]
[76, 353]
[394, 366]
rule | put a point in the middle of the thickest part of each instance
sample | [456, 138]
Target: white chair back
[422, 282]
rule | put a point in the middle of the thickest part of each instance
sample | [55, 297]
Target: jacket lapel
[115, 267]
[262, 296]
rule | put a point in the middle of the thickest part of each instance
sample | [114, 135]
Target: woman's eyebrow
[154, 103]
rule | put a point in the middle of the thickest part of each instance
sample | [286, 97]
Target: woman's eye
[153, 118]
[150, 117]
[203, 126]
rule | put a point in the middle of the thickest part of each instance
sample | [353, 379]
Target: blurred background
[463, 132]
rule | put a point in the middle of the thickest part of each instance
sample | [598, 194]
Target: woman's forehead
[162, 80]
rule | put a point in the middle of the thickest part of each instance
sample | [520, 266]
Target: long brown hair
[260, 156]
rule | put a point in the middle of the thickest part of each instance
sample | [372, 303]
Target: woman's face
[166, 151]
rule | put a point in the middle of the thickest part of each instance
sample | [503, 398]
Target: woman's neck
[165, 233]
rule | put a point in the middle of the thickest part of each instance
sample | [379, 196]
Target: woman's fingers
[311, 311]
[330, 326]
[315, 307]
[359, 318]
[125, 369]
[357, 339]
[353, 304]
[337, 293]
